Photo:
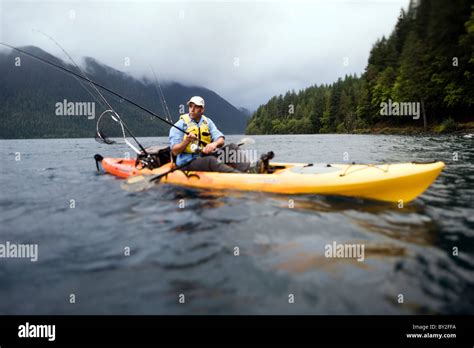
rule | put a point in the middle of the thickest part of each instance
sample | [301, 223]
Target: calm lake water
[190, 251]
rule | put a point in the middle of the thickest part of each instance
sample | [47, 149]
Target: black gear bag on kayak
[157, 156]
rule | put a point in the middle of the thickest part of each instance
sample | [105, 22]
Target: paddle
[143, 182]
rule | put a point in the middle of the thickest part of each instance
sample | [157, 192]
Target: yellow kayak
[401, 182]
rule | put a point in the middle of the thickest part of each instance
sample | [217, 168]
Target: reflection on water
[409, 224]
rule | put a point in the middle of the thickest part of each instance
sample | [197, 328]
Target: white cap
[197, 101]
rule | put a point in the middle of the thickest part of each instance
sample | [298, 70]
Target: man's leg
[233, 151]
[209, 164]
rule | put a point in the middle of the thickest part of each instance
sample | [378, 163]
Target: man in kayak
[203, 136]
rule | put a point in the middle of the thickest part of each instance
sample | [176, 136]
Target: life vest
[202, 132]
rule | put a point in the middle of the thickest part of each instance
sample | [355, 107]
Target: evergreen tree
[428, 58]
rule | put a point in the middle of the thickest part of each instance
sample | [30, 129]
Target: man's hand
[210, 148]
[189, 138]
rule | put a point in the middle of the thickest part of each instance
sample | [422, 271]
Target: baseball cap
[197, 101]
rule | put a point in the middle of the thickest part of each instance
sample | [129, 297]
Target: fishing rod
[94, 83]
[78, 80]
[164, 105]
[100, 136]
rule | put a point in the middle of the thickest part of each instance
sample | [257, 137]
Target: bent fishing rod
[164, 105]
[92, 82]
[100, 136]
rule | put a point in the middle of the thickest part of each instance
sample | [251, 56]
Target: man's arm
[178, 140]
[180, 147]
[220, 142]
[217, 136]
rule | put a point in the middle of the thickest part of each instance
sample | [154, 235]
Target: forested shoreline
[427, 61]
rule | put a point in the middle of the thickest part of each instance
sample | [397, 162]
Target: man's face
[195, 111]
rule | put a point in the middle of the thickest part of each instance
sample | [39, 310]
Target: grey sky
[246, 51]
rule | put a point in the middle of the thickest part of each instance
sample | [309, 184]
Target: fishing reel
[148, 162]
[197, 149]
[154, 157]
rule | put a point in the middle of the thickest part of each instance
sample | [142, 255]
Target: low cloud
[245, 51]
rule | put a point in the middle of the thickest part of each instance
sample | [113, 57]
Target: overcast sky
[246, 51]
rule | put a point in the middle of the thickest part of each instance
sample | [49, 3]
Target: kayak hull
[401, 182]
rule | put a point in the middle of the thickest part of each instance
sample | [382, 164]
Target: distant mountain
[246, 112]
[31, 93]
